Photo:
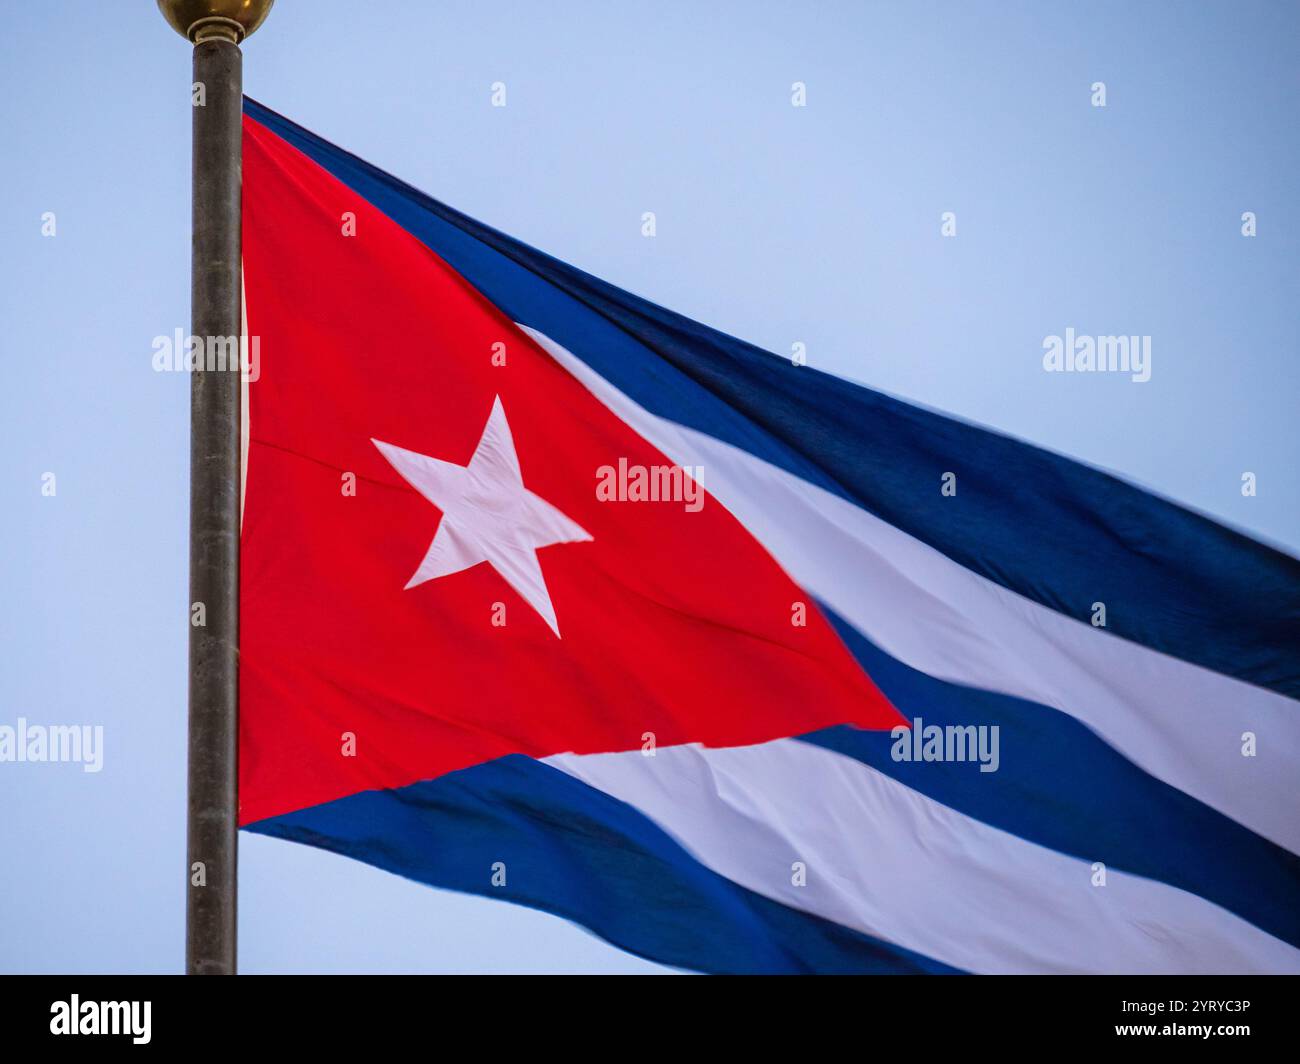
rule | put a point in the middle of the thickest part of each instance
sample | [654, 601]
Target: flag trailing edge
[648, 745]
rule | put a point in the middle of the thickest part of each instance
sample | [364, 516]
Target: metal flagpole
[215, 27]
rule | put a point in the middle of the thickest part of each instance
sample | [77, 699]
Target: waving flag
[554, 596]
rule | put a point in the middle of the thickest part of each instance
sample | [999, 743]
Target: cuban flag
[552, 595]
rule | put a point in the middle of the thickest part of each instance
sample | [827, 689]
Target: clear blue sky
[775, 223]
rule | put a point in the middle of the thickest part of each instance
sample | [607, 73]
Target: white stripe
[892, 863]
[1178, 721]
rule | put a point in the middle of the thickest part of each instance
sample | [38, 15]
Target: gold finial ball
[201, 20]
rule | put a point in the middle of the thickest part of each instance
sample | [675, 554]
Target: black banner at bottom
[597, 1016]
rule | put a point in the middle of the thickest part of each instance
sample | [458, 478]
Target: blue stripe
[1058, 532]
[1061, 786]
[575, 851]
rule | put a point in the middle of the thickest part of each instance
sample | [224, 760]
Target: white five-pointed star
[487, 514]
